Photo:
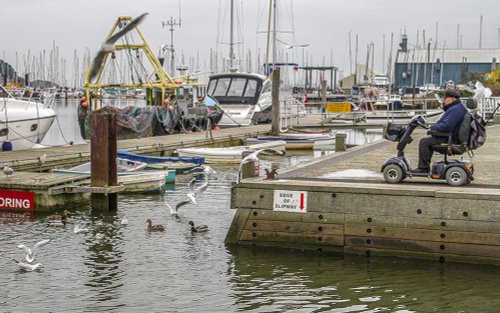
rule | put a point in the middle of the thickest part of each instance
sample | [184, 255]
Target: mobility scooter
[455, 172]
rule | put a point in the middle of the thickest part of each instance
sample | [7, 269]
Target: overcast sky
[323, 24]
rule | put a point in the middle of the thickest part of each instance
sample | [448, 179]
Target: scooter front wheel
[457, 176]
[393, 174]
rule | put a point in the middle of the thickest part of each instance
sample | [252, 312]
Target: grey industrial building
[436, 66]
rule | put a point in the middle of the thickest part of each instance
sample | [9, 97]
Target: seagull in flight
[30, 253]
[254, 157]
[27, 266]
[109, 45]
[194, 193]
[191, 196]
[202, 169]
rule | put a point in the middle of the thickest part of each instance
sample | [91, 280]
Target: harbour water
[118, 268]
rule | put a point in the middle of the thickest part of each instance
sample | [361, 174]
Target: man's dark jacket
[451, 119]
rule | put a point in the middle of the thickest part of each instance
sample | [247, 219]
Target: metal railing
[487, 105]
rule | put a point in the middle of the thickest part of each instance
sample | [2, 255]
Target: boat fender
[7, 146]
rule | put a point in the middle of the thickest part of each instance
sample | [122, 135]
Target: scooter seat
[449, 149]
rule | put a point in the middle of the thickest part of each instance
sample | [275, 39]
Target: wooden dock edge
[439, 223]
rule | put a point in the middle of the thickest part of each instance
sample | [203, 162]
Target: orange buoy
[85, 104]
[166, 101]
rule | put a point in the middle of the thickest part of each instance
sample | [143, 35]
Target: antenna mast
[171, 23]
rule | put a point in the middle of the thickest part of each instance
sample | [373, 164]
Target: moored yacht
[245, 98]
[23, 123]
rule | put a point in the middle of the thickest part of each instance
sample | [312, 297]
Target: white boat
[399, 117]
[245, 98]
[143, 182]
[122, 166]
[230, 154]
[23, 123]
[298, 141]
[130, 175]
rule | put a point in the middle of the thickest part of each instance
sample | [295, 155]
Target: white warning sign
[290, 201]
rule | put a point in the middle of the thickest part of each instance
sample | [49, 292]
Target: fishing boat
[169, 105]
[230, 154]
[24, 122]
[179, 164]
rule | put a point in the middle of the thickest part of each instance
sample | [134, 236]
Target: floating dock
[32, 188]
[306, 208]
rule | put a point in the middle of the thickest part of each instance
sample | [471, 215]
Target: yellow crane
[132, 50]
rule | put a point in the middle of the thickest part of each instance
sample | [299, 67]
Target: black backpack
[477, 131]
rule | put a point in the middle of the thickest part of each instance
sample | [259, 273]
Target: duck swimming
[198, 229]
[152, 227]
[56, 220]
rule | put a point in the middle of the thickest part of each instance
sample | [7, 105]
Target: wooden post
[323, 96]
[103, 159]
[275, 127]
[249, 170]
[340, 142]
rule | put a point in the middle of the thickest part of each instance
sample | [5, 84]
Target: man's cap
[451, 93]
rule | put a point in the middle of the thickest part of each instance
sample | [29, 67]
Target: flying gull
[202, 169]
[30, 253]
[109, 45]
[255, 158]
[191, 196]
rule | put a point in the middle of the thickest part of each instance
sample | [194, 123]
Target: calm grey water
[126, 269]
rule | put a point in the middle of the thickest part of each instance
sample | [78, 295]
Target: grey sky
[324, 24]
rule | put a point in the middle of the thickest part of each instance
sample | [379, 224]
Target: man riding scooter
[454, 112]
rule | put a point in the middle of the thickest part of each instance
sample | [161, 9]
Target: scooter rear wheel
[456, 176]
[393, 174]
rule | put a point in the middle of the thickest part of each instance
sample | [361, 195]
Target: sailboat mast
[231, 38]
[274, 34]
[268, 35]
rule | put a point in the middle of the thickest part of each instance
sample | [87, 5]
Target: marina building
[433, 66]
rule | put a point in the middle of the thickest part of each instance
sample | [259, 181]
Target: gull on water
[124, 221]
[30, 253]
[27, 266]
[8, 171]
[79, 230]
[109, 45]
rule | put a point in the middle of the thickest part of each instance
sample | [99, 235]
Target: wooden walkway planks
[37, 181]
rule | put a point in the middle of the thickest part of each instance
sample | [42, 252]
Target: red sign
[17, 200]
